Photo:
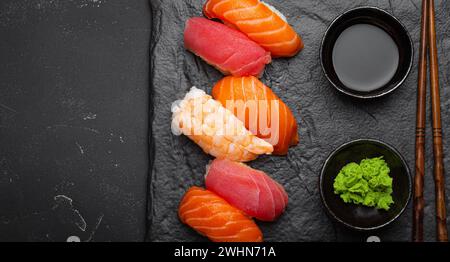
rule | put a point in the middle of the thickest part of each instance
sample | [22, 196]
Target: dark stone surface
[325, 117]
[73, 119]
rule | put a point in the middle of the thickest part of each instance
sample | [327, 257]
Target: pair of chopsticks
[428, 43]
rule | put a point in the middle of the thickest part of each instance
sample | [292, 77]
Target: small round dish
[382, 19]
[360, 217]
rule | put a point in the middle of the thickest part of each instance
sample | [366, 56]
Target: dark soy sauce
[365, 57]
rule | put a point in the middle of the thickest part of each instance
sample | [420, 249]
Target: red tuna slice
[247, 189]
[227, 49]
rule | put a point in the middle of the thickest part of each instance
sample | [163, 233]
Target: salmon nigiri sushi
[248, 189]
[260, 22]
[262, 112]
[215, 129]
[213, 217]
[227, 49]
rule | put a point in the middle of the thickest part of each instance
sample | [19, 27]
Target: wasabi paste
[367, 184]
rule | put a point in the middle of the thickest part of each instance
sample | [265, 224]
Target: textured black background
[325, 117]
[73, 119]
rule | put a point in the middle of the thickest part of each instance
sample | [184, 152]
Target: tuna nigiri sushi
[214, 218]
[262, 112]
[215, 129]
[227, 49]
[260, 22]
[250, 190]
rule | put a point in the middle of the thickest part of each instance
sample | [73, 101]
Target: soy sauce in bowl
[365, 57]
[366, 53]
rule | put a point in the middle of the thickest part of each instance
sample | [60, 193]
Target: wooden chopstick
[441, 216]
[420, 129]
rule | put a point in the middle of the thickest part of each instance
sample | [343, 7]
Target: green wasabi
[367, 184]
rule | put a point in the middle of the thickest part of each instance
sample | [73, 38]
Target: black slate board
[326, 119]
[73, 119]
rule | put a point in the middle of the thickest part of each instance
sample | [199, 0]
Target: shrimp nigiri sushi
[227, 49]
[262, 112]
[213, 217]
[260, 22]
[250, 190]
[215, 129]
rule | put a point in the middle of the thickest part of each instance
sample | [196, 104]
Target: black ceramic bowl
[357, 216]
[385, 21]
